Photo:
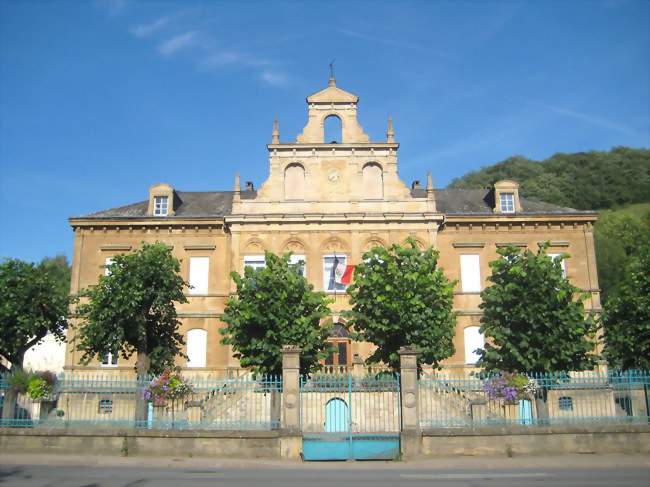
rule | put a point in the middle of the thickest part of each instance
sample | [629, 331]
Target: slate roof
[481, 202]
[217, 204]
[187, 204]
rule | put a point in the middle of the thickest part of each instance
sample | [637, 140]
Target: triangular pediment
[332, 94]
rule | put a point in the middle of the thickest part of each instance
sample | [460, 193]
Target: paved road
[268, 474]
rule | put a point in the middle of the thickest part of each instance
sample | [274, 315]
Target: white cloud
[114, 7]
[274, 78]
[217, 59]
[592, 119]
[145, 30]
[177, 43]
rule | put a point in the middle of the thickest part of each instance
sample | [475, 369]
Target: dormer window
[160, 206]
[507, 202]
[506, 197]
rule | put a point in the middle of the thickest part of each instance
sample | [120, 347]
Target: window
[507, 202]
[470, 273]
[562, 262]
[109, 360]
[197, 340]
[338, 352]
[255, 261]
[565, 403]
[300, 261]
[294, 182]
[474, 340]
[333, 270]
[160, 205]
[373, 182]
[107, 263]
[199, 269]
[333, 130]
[105, 406]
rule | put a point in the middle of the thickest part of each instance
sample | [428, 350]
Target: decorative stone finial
[276, 131]
[429, 182]
[237, 187]
[390, 133]
[332, 80]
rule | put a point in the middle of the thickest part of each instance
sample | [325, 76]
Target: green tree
[618, 235]
[275, 306]
[131, 310]
[400, 297]
[532, 317]
[34, 301]
[627, 316]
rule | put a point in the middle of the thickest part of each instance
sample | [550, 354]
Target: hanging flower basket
[510, 387]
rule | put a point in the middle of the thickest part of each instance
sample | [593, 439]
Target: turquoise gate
[350, 418]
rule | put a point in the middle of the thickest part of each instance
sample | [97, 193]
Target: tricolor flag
[340, 274]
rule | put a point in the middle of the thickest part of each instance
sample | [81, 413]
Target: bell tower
[332, 102]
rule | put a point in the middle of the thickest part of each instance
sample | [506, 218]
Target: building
[321, 200]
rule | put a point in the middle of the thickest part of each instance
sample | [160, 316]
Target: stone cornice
[148, 222]
[335, 218]
[589, 217]
[328, 147]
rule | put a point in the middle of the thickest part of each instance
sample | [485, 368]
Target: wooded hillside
[617, 181]
[585, 180]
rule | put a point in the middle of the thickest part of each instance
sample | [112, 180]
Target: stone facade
[323, 199]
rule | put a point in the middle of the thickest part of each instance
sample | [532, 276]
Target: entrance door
[336, 416]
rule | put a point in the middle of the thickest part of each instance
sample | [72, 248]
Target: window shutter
[473, 340]
[196, 347]
[199, 269]
[470, 273]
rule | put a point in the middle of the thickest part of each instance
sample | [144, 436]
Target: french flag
[341, 274]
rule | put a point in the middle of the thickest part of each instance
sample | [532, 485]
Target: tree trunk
[11, 394]
[141, 407]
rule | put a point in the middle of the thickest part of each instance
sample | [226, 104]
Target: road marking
[468, 476]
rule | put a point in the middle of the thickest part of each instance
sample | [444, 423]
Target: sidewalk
[450, 463]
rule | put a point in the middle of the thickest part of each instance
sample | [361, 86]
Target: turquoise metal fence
[109, 401]
[538, 399]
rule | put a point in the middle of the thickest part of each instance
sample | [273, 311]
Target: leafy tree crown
[532, 317]
[275, 306]
[34, 301]
[131, 310]
[400, 297]
[627, 316]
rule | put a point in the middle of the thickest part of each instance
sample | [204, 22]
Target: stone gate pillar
[291, 439]
[410, 437]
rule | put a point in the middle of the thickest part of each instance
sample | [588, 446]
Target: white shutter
[473, 340]
[197, 340]
[299, 259]
[562, 262]
[255, 261]
[470, 273]
[199, 269]
[107, 262]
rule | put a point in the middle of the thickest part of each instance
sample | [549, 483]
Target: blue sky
[101, 99]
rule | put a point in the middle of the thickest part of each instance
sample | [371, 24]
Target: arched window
[473, 340]
[197, 340]
[333, 130]
[294, 182]
[373, 182]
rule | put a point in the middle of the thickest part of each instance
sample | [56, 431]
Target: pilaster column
[411, 438]
[291, 388]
